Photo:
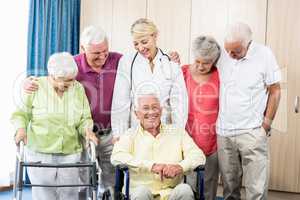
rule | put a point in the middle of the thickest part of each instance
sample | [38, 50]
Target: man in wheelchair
[156, 154]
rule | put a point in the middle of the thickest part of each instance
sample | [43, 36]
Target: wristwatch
[268, 131]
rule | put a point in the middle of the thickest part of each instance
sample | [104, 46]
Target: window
[13, 40]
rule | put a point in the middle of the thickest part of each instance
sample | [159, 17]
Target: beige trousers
[244, 155]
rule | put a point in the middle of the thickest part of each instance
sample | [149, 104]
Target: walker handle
[93, 151]
[20, 151]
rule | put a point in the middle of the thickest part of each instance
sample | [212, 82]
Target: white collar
[156, 59]
[250, 51]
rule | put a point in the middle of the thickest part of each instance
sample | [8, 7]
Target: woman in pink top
[202, 82]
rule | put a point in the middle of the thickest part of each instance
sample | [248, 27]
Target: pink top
[203, 110]
[99, 86]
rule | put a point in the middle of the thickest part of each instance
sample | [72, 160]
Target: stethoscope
[132, 64]
[131, 67]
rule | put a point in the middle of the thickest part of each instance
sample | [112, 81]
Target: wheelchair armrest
[122, 167]
[199, 168]
[199, 194]
[122, 171]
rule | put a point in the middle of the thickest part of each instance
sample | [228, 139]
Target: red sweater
[203, 110]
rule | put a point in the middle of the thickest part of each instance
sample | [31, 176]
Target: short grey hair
[92, 35]
[207, 48]
[239, 32]
[62, 65]
[141, 94]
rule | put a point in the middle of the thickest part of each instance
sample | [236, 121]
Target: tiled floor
[9, 194]
[283, 196]
[273, 195]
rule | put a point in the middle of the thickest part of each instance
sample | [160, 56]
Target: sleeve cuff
[185, 166]
[18, 125]
[275, 78]
[88, 125]
[116, 134]
[148, 165]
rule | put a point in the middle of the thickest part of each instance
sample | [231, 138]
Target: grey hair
[239, 32]
[62, 65]
[206, 47]
[92, 35]
[141, 94]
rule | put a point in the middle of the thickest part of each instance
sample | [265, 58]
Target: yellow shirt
[140, 150]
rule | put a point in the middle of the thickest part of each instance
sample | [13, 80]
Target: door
[125, 12]
[172, 18]
[283, 31]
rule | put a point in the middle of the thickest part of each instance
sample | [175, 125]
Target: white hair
[62, 65]
[92, 35]
[144, 93]
[206, 47]
[239, 32]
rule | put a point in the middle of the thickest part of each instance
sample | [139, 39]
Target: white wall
[13, 40]
[178, 21]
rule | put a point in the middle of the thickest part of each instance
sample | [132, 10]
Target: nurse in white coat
[148, 68]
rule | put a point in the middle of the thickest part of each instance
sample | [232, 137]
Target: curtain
[54, 26]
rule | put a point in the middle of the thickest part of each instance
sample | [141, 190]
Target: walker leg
[16, 178]
[94, 195]
[20, 181]
[94, 182]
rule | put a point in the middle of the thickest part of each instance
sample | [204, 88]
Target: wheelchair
[94, 172]
[123, 179]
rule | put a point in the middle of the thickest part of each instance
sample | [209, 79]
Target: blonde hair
[143, 27]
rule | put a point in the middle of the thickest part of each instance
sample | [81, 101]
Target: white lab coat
[167, 81]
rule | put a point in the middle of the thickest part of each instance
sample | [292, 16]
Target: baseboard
[6, 188]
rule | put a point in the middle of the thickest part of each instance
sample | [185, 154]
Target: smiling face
[236, 50]
[96, 54]
[149, 112]
[146, 45]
